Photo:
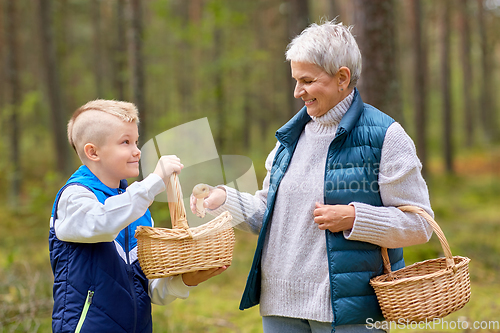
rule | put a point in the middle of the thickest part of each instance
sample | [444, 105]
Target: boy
[98, 283]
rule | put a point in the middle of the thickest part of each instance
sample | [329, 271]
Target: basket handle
[176, 204]
[450, 262]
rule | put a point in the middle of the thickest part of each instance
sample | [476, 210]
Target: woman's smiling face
[319, 90]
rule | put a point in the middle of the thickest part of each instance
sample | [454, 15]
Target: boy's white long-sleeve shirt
[83, 219]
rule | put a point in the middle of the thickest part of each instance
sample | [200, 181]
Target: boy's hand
[195, 278]
[168, 165]
[216, 196]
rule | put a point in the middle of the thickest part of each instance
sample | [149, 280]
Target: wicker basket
[164, 252]
[425, 290]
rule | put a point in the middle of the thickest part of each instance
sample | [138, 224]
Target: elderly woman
[328, 203]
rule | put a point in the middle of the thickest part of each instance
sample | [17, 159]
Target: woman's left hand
[334, 217]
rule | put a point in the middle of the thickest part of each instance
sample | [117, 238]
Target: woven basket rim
[214, 226]
[382, 280]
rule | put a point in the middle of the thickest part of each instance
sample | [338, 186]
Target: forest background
[432, 65]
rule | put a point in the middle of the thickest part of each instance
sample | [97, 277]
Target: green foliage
[464, 206]
[191, 74]
[25, 276]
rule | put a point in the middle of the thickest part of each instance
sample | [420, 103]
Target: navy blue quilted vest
[351, 175]
[106, 275]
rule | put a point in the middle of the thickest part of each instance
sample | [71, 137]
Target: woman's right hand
[216, 197]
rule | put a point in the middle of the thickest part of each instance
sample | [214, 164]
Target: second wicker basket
[425, 290]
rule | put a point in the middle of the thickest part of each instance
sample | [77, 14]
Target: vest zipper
[86, 307]
[130, 273]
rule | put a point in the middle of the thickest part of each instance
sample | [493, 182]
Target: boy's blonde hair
[91, 122]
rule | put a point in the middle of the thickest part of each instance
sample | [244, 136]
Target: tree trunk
[420, 71]
[62, 28]
[487, 114]
[97, 49]
[446, 87]
[183, 59]
[2, 59]
[15, 100]
[137, 65]
[195, 11]
[247, 122]
[465, 40]
[58, 116]
[375, 28]
[120, 51]
[298, 20]
[219, 90]
[197, 58]
[334, 10]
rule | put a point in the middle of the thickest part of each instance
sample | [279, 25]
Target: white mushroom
[200, 192]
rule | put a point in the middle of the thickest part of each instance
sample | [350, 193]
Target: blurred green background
[432, 65]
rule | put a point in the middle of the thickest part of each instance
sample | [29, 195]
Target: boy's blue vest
[108, 271]
[351, 175]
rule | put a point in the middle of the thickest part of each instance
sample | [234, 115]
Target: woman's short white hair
[330, 46]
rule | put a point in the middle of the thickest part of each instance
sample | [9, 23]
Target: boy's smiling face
[319, 90]
[118, 157]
